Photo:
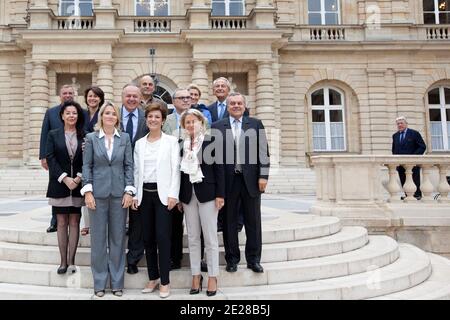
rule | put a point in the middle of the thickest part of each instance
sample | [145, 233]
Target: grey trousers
[202, 216]
[108, 231]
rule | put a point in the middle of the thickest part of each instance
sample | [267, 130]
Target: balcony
[228, 23]
[438, 32]
[329, 33]
[73, 23]
[153, 25]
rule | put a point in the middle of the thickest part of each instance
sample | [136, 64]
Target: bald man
[147, 87]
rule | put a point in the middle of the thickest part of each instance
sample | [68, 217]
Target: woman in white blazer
[157, 180]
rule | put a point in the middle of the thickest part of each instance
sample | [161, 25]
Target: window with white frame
[436, 11]
[228, 7]
[328, 120]
[81, 8]
[323, 12]
[152, 7]
[439, 111]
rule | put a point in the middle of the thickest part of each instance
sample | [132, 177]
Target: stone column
[105, 78]
[38, 106]
[105, 3]
[198, 3]
[200, 78]
[265, 106]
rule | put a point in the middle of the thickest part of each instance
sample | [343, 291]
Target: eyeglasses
[184, 98]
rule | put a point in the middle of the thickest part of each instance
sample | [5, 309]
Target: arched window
[163, 92]
[81, 8]
[152, 7]
[323, 12]
[436, 11]
[328, 120]
[439, 111]
[228, 7]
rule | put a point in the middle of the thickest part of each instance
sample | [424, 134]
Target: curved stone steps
[380, 251]
[348, 239]
[436, 287]
[287, 227]
[412, 268]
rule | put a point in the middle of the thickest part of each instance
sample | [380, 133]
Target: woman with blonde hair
[108, 187]
[202, 192]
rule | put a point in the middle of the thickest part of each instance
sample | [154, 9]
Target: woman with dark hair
[94, 97]
[65, 161]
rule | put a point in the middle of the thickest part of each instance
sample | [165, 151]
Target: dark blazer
[253, 145]
[58, 161]
[52, 120]
[214, 115]
[89, 124]
[213, 184]
[142, 128]
[412, 143]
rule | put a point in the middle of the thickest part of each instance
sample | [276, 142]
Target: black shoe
[132, 269]
[62, 270]
[175, 265]
[203, 266]
[256, 267]
[52, 228]
[197, 291]
[213, 292]
[231, 267]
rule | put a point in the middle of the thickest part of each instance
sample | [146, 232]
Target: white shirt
[221, 110]
[232, 124]
[109, 147]
[150, 158]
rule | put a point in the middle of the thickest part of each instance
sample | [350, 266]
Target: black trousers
[252, 223]
[156, 230]
[176, 252]
[53, 221]
[135, 238]
[416, 178]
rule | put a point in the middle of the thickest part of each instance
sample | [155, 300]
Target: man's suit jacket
[167, 168]
[142, 128]
[412, 143]
[170, 125]
[253, 144]
[58, 161]
[108, 178]
[214, 112]
[52, 120]
[213, 183]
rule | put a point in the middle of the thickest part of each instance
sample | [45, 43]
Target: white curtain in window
[319, 136]
[437, 142]
[337, 136]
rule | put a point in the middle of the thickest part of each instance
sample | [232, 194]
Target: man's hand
[134, 205]
[171, 203]
[220, 202]
[262, 185]
[127, 200]
[89, 200]
[44, 164]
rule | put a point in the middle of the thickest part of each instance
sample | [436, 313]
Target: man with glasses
[181, 100]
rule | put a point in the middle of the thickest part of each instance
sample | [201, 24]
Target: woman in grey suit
[108, 187]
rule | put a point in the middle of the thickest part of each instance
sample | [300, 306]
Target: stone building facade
[325, 76]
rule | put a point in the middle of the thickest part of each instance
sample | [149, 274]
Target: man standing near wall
[408, 141]
[52, 120]
[147, 87]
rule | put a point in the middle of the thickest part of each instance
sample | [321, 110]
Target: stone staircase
[27, 181]
[304, 256]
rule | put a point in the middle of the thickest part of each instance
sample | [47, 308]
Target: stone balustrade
[74, 23]
[438, 32]
[359, 178]
[231, 23]
[326, 33]
[153, 25]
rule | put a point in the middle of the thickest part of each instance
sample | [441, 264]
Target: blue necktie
[221, 110]
[129, 128]
[402, 135]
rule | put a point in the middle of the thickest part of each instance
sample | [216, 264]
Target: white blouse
[150, 158]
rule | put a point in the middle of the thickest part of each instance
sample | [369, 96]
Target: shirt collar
[232, 120]
[101, 133]
[126, 112]
[224, 103]
[404, 131]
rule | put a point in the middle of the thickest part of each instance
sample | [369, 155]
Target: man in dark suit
[52, 120]
[133, 122]
[245, 154]
[221, 89]
[408, 141]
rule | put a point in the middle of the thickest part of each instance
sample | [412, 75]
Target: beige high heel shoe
[150, 287]
[165, 292]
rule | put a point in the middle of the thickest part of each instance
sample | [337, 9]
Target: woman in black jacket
[202, 191]
[65, 161]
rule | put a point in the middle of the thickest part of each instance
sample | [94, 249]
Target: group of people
[142, 163]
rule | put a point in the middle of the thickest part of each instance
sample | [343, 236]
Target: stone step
[380, 251]
[412, 268]
[283, 228]
[436, 287]
[348, 239]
